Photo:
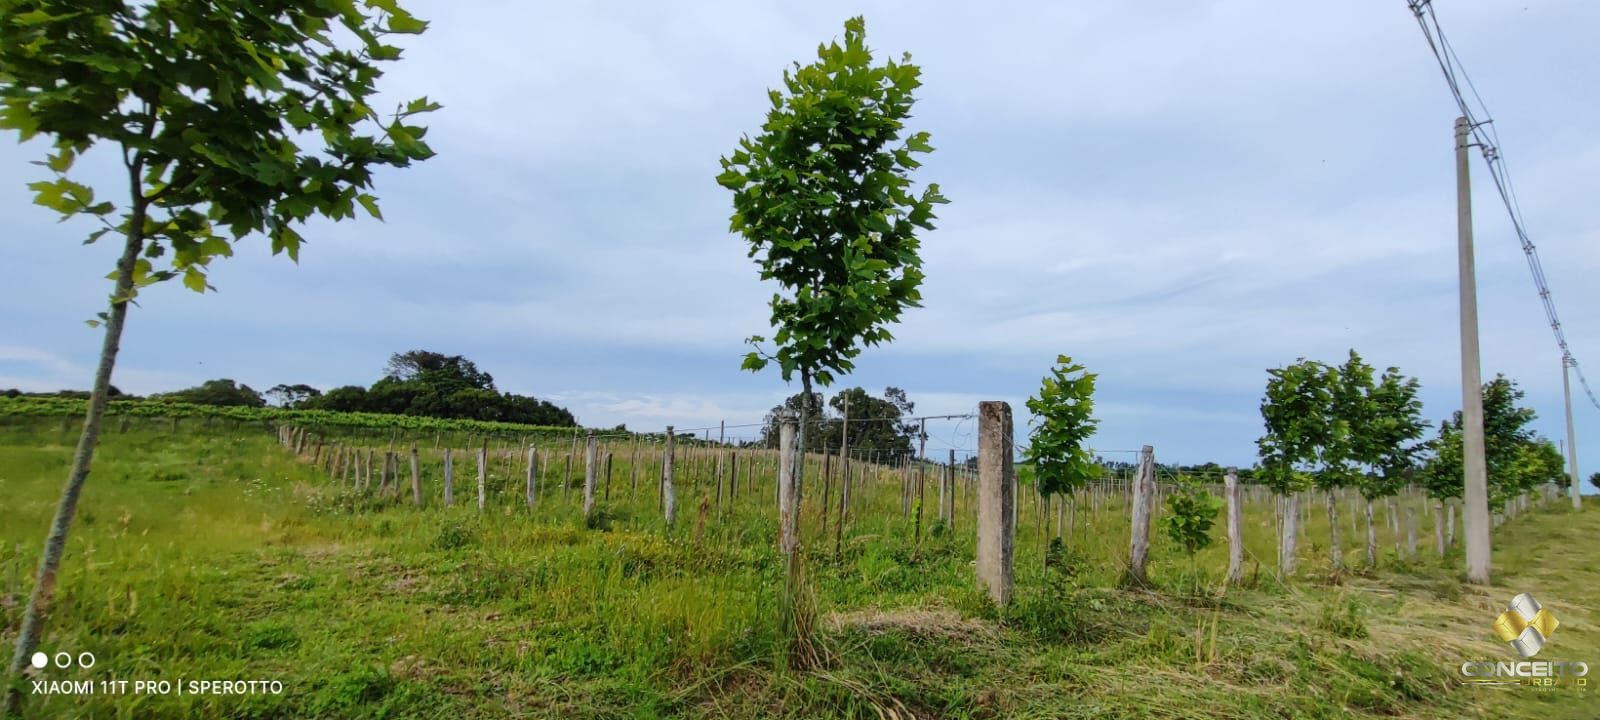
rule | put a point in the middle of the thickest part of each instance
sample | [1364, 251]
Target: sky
[1180, 195]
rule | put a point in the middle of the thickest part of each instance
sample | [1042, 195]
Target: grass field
[217, 555]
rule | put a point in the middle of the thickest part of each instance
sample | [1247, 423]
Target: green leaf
[371, 204]
[402, 22]
[195, 280]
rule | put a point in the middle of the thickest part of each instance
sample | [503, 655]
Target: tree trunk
[44, 584]
[1438, 528]
[1291, 523]
[1335, 553]
[1372, 539]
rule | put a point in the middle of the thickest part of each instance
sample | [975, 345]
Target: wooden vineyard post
[922, 477]
[605, 464]
[844, 464]
[669, 494]
[416, 478]
[1438, 528]
[1372, 538]
[722, 457]
[567, 471]
[633, 467]
[449, 480]
[590, 461]
[483, 475]
[825, 507]
[996, 501]
[1143, 502]
[1411, 533]
[530, 490]
[1230, 484]
[788, 520]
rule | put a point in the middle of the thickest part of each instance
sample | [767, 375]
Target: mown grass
[217, 555]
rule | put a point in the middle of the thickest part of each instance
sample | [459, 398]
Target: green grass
[215, 555]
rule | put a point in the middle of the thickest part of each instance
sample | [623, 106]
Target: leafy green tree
[1539, 462]
[216, 392]
[290, 396]
[1296, 412]
[1386, 443]
[1350, 410]
[1063, 420]
[229, 117]
[877, 425]
[1442, 471]
[1191, 513]
[824, 198]
[823, 195]
[430, 384]
[1506, 428]
[1594, 479]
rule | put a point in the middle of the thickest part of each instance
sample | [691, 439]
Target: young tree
[230, 118]
[1295, 412]
[1191, 512]
[1350, 411]
[1441, 474]
[824, 197]
[1505, 430]
[1386, 443]
[1063, 420]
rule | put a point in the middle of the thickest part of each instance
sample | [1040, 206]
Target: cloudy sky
[1178, 194]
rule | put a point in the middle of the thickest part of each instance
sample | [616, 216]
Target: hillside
[218, 555]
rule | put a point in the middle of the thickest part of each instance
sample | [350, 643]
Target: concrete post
[1143, 502]
[1411, 533]
[1572, 439]
[483, 476]
[1287, 550]
[590, 467]
[530, 489]
[669, 494]
[1372, 539]
[1476, 511]
[996, 501]
[1438, 528]
[1230, 485]
[449, 480]
[788, 510]
[947, 493]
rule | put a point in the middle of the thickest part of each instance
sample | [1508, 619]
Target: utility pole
[1475, 513]
[1572, 442]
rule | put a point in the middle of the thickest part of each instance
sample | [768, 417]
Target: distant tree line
[877, 424]
[418, 382]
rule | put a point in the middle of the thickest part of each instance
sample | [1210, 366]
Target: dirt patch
[922, 622]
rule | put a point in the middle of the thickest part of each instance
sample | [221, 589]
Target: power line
[1488, 142]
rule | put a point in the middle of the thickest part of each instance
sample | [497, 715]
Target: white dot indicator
[40, 660]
